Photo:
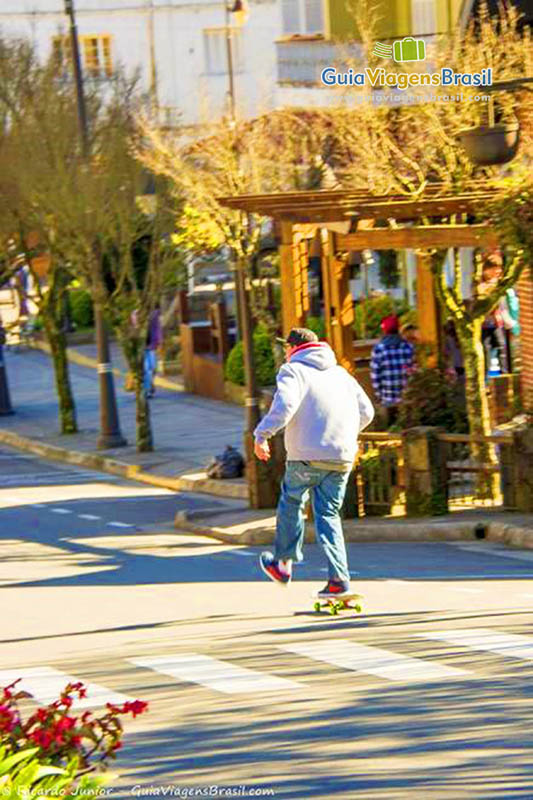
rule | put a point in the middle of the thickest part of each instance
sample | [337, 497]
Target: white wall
[183, 80]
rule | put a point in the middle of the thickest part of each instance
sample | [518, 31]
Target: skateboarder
[322, 409]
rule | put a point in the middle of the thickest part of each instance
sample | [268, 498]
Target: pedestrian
[322, 409]
[452, 350]
[499, 320]
[154, 340]
[392, 359]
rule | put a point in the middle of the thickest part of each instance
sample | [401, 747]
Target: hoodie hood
[318, 355]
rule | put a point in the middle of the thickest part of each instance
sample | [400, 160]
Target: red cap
[390, 324]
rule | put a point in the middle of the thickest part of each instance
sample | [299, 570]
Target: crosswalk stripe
[214, 674]
[504, 644]
[47, 683]
[372, 660]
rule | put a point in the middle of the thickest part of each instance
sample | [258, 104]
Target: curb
[510, 535]
[86, 361]
[122, 469]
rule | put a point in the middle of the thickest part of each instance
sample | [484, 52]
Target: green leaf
[11, 761]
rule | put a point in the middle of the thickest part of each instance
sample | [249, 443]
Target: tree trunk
[134, 353]
[487, 483]
[58, 344]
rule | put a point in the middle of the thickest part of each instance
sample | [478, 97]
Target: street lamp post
[110, 435]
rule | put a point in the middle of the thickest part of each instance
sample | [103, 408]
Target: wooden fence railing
[381, 472]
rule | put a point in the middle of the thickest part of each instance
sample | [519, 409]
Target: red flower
[85, 717]
[135, 707]
[66, 700]
[42, 738]
[116, 746]
[76, 741]
[8, 719]
[64, 724]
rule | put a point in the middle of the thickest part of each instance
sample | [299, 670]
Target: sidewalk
[188, 430]
[236, 524]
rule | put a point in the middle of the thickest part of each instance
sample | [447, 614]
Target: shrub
[60, 738]
[369, 313]
[433, 397]
[22, 774]
[317, 325]
[81, 308]
[264, 360]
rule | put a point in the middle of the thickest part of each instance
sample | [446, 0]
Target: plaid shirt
[391, 358]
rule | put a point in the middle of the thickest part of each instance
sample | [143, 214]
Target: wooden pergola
[343, 221]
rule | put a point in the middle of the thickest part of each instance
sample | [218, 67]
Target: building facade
[179, 48]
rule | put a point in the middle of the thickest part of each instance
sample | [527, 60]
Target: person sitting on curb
[322, 409]
[392, 359]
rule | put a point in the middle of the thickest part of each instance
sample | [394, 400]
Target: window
[302, 16]
[216, 53]
[95, 54]
[424, 17]
[62, 52]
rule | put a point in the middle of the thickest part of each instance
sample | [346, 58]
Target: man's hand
[262, 450]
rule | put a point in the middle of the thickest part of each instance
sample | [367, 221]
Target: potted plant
[491, 144]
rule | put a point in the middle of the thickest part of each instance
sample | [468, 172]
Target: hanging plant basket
[488, 145]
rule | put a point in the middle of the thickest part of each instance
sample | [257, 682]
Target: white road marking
[492, 549]
[60, 511]
[120, 525]
[38, 505]
[465, 589]
[214, 674]
[46, 684]
[504, 644]
[88, 516]
[525, 594]
[372, 660]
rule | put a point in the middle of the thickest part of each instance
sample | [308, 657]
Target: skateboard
[336, 604]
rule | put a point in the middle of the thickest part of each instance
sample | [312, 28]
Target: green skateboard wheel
[317, 606]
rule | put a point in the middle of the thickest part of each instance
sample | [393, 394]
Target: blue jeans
[150, 366]
[327, 495]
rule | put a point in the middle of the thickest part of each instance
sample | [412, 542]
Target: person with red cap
[322, 409]
[392, 359]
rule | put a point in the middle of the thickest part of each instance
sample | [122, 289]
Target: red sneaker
[334, 589]
[270, 567]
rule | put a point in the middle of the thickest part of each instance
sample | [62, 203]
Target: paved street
[427, 695]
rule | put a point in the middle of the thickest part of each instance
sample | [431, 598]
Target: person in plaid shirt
[392, 358]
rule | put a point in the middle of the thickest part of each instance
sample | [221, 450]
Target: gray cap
[298, 336]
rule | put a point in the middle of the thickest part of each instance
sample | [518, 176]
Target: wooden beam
[419, 237]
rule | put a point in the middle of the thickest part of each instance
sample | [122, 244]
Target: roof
[342, 204]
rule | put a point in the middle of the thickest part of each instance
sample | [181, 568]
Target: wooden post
[294, 293]
[183, 307]
[219, 330]
[428, 311]
[338, 305]
[525, 294]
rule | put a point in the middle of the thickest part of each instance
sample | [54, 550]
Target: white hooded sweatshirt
[322, 408]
